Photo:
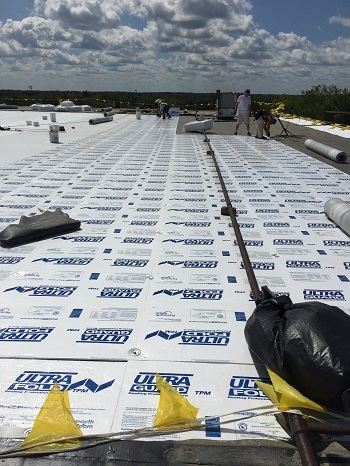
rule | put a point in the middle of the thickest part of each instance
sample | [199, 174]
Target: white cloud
[81, 14]
[343, 21]
[86, 43]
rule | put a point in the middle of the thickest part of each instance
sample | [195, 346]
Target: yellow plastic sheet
[54, 422]
[173, 408]
[285, 396]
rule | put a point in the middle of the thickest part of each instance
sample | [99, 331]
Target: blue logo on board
[44, 290]
[194, 337]
[210, 295]
[145, 382]
[43, 381]
[25, 334]
[191, 264]
[127, 293]
[114, 336]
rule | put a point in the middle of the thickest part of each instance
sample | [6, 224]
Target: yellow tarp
[172, 408]
[284, 396]
[54, 422]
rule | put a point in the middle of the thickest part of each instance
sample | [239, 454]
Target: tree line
[322, 102]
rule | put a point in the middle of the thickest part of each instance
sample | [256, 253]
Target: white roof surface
[153, 281]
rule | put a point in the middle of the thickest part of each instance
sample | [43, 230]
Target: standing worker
[243, 106]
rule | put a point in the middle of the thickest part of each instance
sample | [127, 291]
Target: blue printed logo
[98, 222]
[215, 295]
[148, 209]
[17, 206]
[111, 198]
[190, 224]
[332, 295]
[104, 208]
[331, 242]
[191, 242]
[194, 211]
[267, 211]
[258, 200]
[194, 337]
[138, 240]
[144, 223]
[114, 336]
[261, 265]
[44, 290]
[187, 199]
[192, 264]
[43, 381]
[82, 239]
[321, 225]
[7, 220]
[307, 212]
[25, 334]
[128, 293]
[246, 388]
[8, 260]
[145, 382]
[250, 242]
[65, 260]
[130, 263]
[303, 264]
[288, 242]
[276, 224]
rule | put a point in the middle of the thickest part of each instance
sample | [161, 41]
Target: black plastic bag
[38, 227]
[307, 344]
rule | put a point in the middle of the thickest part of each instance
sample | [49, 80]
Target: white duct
[138, 113]
[327, 151]
[339, 212]
[198, 126]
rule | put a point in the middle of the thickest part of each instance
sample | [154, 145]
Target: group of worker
[162, 109]
[264, 118]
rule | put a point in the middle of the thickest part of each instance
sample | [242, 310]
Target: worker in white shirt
[243, 106]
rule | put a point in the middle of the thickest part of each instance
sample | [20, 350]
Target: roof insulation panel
[153, 281]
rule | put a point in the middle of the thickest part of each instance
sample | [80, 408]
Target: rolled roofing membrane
[339, 211]
[327, 151]
[198, 126]
[153, 281]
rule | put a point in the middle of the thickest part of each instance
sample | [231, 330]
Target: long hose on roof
[296, 422]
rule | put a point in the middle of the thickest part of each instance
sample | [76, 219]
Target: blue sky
[273, 45]
[15, 9]
[305, 17]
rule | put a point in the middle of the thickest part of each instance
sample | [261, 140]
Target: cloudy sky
[175, 45]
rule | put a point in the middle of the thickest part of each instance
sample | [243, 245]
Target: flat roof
[154, 282]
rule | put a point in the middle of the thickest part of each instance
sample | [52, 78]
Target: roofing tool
[305, 344]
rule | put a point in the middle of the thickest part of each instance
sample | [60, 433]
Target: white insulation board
[154, 276]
